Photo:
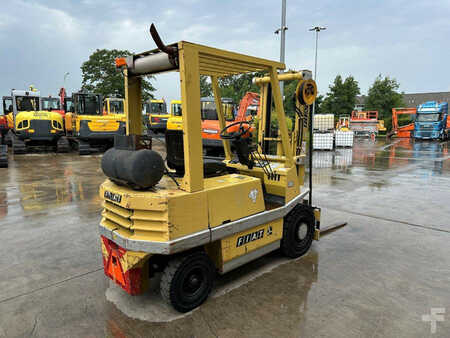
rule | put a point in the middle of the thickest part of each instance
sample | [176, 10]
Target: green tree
[205, 86]
[289, 98]
[341, 97]
[101, 76]
[235, 86]
[319, 101]
[383, 95]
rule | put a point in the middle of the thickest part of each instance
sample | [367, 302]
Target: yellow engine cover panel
[187, 214]
[175, 123]
[252, 239]
[103, 125]
[284, 184]
[231, 197]
[100, 123]
[159, 215]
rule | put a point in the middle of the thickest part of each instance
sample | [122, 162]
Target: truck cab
[431, 121]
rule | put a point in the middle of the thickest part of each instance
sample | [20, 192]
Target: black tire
[187, 281]
[298, 232]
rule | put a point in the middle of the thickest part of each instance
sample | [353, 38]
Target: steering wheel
[225, 135]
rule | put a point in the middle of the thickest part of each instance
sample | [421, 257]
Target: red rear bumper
[134, 279]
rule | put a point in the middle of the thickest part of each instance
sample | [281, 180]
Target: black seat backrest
[175, 157]
[175, 151]
[243, 151]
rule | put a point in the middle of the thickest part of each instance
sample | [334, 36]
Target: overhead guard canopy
[212, 62]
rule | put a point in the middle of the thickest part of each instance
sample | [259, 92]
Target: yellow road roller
[211, 216]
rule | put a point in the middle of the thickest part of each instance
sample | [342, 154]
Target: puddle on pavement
[150, 307]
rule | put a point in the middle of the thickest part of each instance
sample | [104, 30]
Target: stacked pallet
[323, 131]
[344, 138]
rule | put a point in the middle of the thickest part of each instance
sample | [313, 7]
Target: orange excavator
[248, 108]
[405, 130]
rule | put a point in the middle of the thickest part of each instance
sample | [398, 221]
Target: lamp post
[65, 78]
[317, 29]
[282, 30]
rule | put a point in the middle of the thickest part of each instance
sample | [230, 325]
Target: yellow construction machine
[31, 126]
[113, 106]
[175, 121]
[86, 126]
[156, 115]
[216, 215]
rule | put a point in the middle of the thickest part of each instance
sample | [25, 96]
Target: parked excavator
[248, 107]
[31, 126]
[156, 115]
[86, 126]
[212, 144]
[404, 131]
[113, 106]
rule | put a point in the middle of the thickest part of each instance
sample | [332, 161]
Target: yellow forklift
[31, 126]
[213, 215]
[86, 126]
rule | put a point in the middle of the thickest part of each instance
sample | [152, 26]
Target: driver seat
[175, 157]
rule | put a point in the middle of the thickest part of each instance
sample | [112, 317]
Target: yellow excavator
[175, 121]
[31, 126]
[113, 106]
[86, 126]
[156, 115]
[157, 220]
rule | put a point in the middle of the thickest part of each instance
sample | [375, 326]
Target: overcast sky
[405, 39]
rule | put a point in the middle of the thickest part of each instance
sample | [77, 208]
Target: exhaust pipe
[163, 61]
[172, 51]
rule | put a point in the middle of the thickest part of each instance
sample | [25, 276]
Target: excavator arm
[248, 100]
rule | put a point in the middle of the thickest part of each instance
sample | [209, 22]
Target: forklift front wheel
[298, 232]
[187, 281]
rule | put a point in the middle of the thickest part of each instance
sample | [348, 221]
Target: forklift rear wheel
[187, 281]
[298, 232]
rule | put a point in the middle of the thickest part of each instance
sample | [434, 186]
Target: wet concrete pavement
[375, 277]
